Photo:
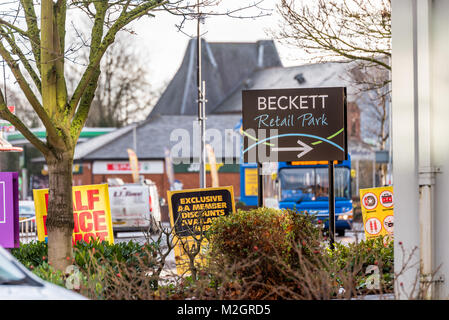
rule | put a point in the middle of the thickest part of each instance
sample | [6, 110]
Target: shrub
[373, 252]
[31, 254]
[257, 254]
[48, 273]
[36, 253]
[128, 253]
[265, 242]
[282, 254]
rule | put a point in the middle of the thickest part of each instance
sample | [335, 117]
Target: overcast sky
[165, 45]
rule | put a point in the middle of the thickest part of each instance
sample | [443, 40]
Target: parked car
[134, 207]
[18, 283]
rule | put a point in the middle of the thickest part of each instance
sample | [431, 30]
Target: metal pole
[135, 139]
[357, 177]
[259, 185]
[331, 205]
[201, 106]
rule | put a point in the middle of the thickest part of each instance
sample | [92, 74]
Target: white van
[134, 207]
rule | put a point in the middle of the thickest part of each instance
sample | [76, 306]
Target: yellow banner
[377, 211]
[213, 165]
[91, 213]
[251, 178]
[191, 214]
[134, 164]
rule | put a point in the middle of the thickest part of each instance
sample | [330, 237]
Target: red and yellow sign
[91, 213]
[377, 211]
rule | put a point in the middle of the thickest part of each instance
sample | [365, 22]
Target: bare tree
[124, 94]
[22, 108]
[378, 98]
[40, 75]
[356, 30]
[33, 44]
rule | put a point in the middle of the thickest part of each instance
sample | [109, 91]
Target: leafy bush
[103, 252]
[256, 254]
[48, 273]
[265, 241]
[377, 252]
[31, 254]
[99, 264]
[36, 253]
[282, 254]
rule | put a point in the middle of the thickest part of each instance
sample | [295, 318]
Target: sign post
[331, 206]
[307, 124]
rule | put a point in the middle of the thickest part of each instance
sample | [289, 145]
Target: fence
[28, 230]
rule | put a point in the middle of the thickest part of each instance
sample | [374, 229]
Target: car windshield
[9, 272]
[302, 184]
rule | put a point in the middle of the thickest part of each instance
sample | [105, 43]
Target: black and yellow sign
[192, 213]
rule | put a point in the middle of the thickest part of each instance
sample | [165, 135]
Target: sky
[162, 46]
[165, 45]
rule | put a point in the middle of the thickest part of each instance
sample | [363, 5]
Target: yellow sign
[213, 165]
[191, 214]
[91, 213]
[134, 164]
[377, 211]
[251, 182]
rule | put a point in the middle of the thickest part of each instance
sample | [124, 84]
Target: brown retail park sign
[294, 124]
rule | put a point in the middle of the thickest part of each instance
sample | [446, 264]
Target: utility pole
[201, 105]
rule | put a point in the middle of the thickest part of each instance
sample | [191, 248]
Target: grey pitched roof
[154, 135]
[327, 74]
[85, 148]
[224, 67]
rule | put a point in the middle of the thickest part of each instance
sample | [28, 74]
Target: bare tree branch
[350, 29]
[7, 115]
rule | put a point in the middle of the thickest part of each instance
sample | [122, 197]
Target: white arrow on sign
[303, 147]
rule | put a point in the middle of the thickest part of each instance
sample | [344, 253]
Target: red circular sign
[389, 224]
[369, 201]
[386, 198]
[373, 226]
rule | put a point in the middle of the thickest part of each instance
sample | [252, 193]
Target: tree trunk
[60, 210]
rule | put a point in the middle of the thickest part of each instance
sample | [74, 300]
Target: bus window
[302, 184]
[297, 184]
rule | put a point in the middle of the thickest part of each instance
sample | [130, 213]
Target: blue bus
[303, 186]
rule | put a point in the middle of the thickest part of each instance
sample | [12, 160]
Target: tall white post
[421, 144]
[426, 171]
[405, 142]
